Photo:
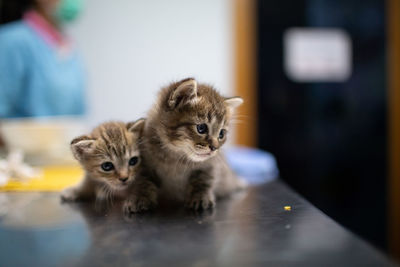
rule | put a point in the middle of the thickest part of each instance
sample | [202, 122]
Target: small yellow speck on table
[53, 179]
[288, 208]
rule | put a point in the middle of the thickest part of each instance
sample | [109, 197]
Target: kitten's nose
[213, 144]
[123, 179]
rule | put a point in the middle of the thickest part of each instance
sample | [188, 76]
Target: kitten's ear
[136, 126]
[81, 146]
[233, 102]
[186, 90]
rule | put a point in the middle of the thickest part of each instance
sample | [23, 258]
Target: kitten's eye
[202, 128]
[107, 166]
[133, 161]
[222, 134]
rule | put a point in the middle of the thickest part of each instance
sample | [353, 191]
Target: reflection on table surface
[252, 228]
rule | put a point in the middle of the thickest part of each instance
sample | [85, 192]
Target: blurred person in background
[41, 73]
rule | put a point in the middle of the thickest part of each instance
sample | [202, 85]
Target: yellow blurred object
[288, 208]
[53, 178]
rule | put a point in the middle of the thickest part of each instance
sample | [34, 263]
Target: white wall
[132, 47]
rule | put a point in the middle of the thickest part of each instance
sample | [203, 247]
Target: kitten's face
[111, 153]
[196, 119]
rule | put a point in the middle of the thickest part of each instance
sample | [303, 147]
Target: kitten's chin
[120, 186]
[201, 156]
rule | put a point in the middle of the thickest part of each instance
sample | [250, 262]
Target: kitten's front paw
[201, 201]
[137, 204]
[69, 194]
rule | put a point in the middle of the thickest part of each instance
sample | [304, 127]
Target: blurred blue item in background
[254, 165]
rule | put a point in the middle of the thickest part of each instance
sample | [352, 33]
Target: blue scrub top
[35, 78]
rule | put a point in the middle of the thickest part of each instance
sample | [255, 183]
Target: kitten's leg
[199, 194]
[227, 182]
[83, 190]
[143, 197]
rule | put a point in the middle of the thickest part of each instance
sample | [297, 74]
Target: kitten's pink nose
[123, 179]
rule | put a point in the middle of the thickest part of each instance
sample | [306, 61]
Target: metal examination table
[250, 229]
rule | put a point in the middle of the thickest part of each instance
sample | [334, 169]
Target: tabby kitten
[182, 137]
[111, 160]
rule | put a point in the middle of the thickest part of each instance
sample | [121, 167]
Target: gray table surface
[251, 228]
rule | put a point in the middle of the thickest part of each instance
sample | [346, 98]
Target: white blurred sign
[317, 55]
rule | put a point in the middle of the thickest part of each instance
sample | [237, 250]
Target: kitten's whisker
[179, 162]
[186, 163]
[106, 189]
[111, 196]
[108, 196]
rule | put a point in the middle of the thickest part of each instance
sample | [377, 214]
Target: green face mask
[68, 10]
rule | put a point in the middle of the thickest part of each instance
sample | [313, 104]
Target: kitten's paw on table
[135, 205]
[69, 195]
[200, 202]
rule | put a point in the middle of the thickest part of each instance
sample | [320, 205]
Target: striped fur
[188, 164]
[116, 143]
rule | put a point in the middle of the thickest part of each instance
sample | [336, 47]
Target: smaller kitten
[111, 160]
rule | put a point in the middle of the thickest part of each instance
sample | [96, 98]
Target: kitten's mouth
[196, 155]
[207, 154]
[121, 186]
[201, 156]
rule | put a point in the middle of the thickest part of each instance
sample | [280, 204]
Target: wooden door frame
[393, 97]
[245, 72]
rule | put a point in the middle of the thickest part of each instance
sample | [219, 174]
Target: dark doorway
[329, 137]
